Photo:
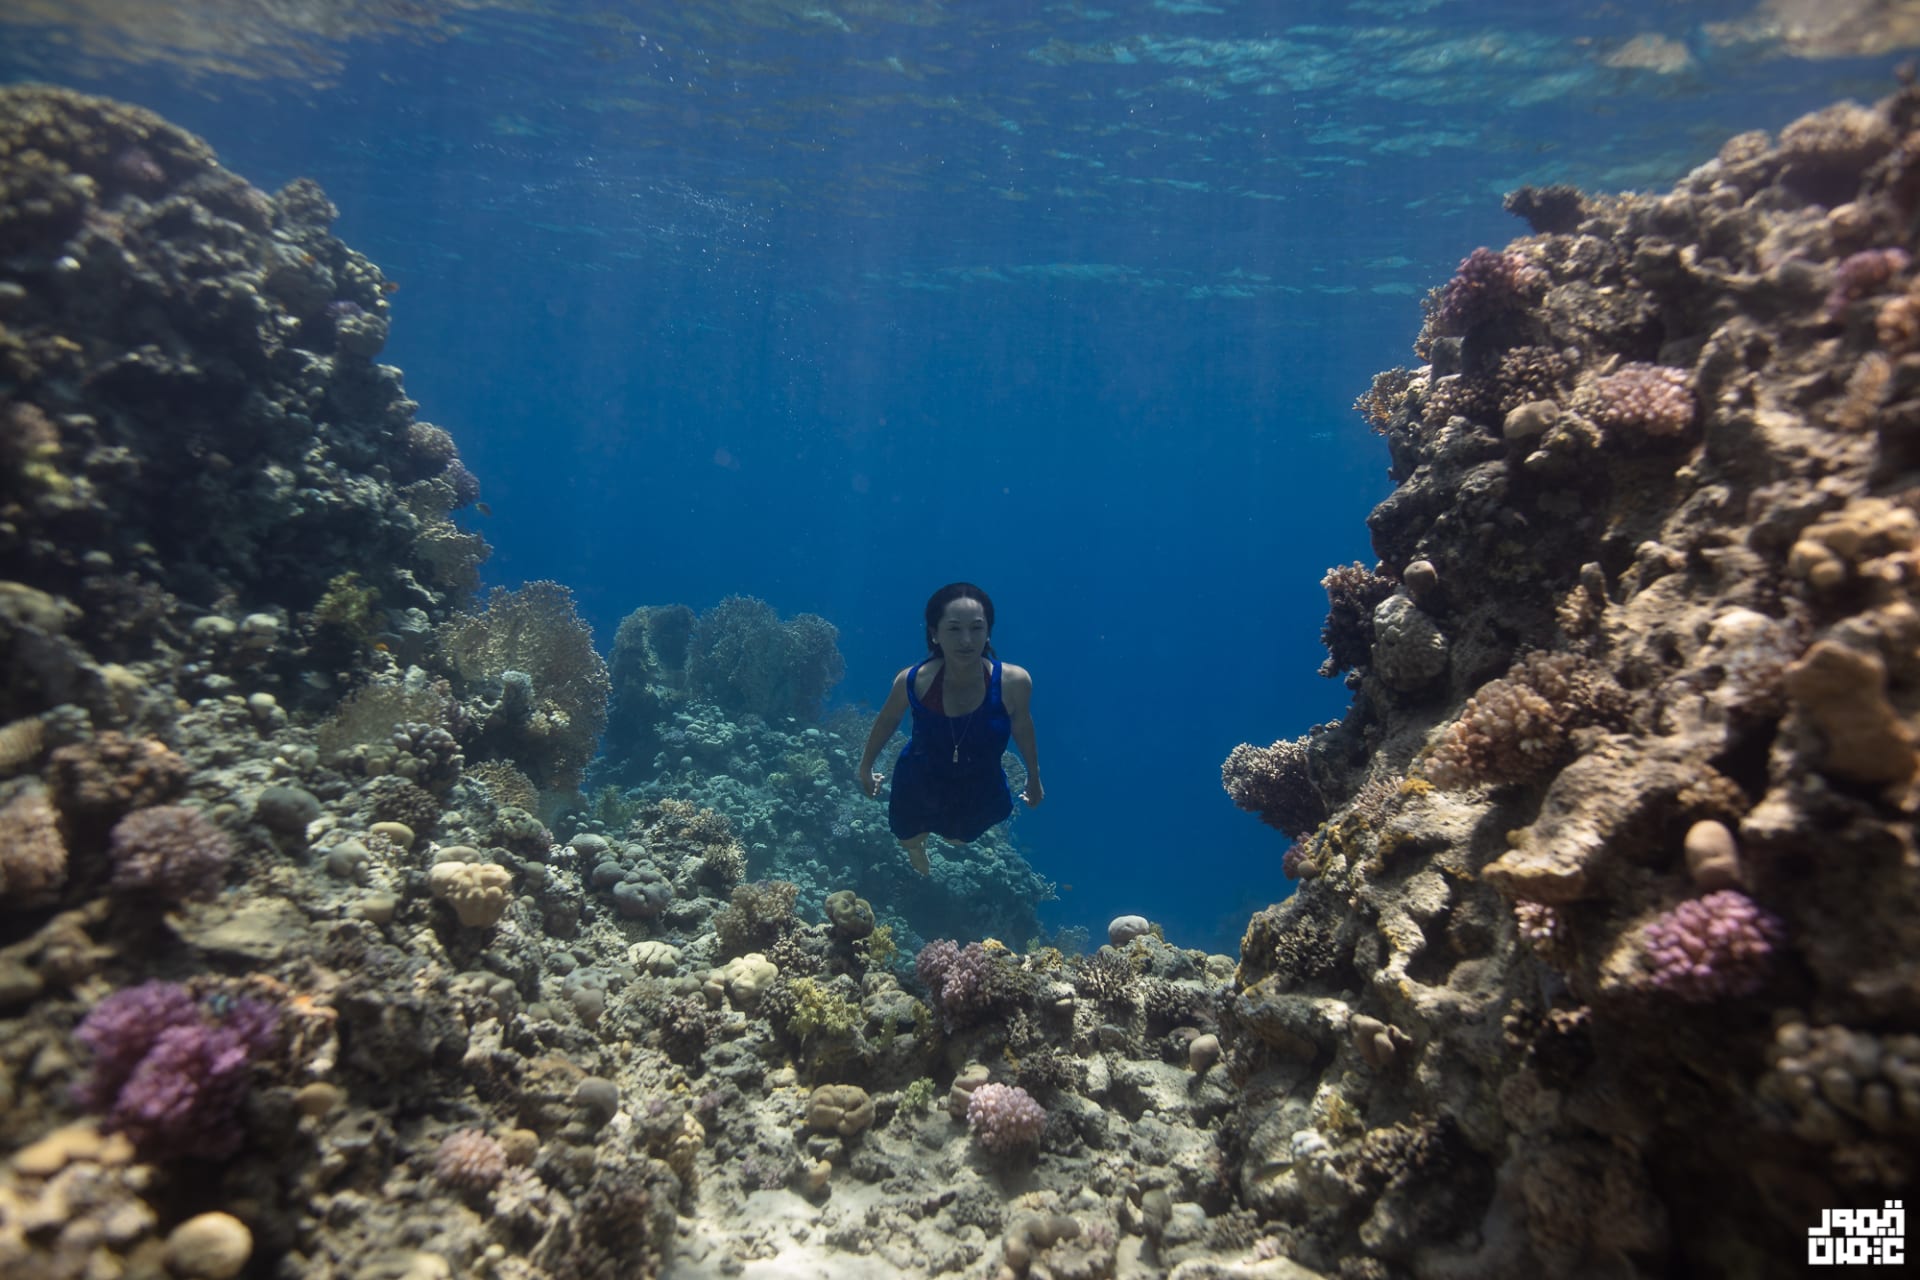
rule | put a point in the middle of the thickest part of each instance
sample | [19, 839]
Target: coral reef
[179, 445]
[1658, 475]
[1600, 961]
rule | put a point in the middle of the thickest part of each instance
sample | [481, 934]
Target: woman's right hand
[870, 783]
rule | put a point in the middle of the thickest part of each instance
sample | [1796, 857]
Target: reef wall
[1604, 962]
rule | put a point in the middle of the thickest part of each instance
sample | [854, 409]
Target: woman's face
[962, 632]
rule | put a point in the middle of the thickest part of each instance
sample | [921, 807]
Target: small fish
[389, 286]
[483, 508]
[380, 646]
[1066, 888]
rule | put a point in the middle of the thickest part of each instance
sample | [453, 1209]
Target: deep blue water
[832, 303]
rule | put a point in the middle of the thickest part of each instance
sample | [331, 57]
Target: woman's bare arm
[1016, 690]
[883, 726]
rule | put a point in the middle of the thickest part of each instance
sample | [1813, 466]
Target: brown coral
[1516, 728]
[33, 857]
[1842, 693]
[1274, 782]
[97, 781]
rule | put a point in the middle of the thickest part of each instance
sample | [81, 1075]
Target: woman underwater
[966, 703]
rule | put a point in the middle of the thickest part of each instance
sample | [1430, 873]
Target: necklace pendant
[956, 755]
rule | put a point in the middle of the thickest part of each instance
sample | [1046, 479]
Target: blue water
[833, 303]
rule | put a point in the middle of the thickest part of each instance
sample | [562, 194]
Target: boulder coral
[478, 892]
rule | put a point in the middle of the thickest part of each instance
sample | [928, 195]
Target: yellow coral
[1870, 538]
[478, 892]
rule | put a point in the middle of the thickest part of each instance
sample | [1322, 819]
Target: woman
[966, 703]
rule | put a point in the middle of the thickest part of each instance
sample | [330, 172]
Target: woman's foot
[917, 854]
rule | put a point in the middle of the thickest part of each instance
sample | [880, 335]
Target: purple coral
[171, 1074]
[959, 980]
[1861, 275]
[1711, 948]
[170, 852]
[1488, 284]
[1003, 1117]
[120, 1031]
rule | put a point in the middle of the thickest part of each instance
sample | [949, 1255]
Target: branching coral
[169, 851]
[171, 1074]
[1004, 1118]
[759, 915]
[1488, 284]
[966, 985]
[1640, 402]
[1353, 592]
[470, 1161]
[1710, 948]
[1383, 400]
[1274, 782]
[1515, 729]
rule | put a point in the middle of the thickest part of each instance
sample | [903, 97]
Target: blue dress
[948, 779]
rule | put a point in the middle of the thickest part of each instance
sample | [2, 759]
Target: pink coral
[964, 984]
[1647, 400]
[470, 1161]
[170, 1074]
[1711, 948]
[1004, 1117]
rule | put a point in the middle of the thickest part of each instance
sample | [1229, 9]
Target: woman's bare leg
[916, 847]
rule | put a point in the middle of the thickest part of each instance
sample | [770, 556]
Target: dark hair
[937, 604]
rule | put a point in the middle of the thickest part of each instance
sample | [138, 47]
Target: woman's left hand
[1035, 793]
